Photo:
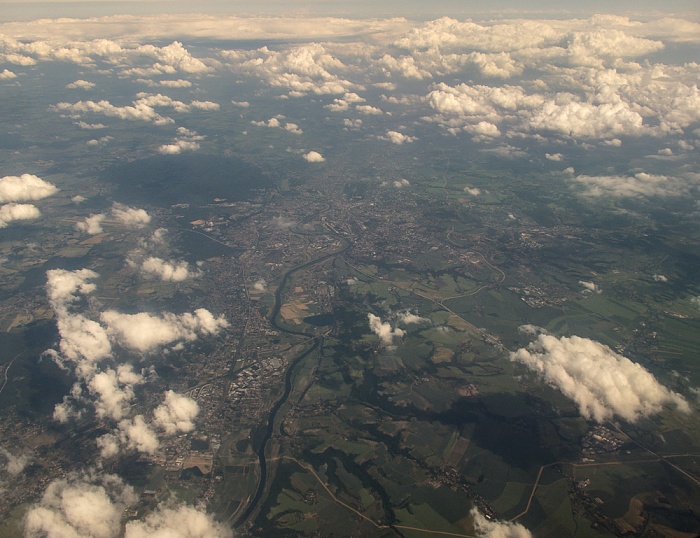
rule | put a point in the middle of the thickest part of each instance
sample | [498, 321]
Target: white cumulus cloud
[24, 188]
[314, 157]
[486, 528]
[398, 138]
[384, 330]
[176, 413]
[146, 332]
[91, 225]
[81, 84]
[168, 270]
[131, 217]
[639, 185]
[601, 382]
[409, 317]
[12, 212]
[178, 522]
[79, 507]
[15, 464]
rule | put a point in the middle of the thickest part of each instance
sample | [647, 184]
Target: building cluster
[600, 440]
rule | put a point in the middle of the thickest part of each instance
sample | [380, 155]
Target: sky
[31, 9]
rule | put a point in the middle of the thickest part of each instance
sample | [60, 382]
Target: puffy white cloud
[480, 103]
[505, 150]
[483, 130]
[63, 286]
[85, 125]
[174, 55]
[601, 382]
[83, 341]
[99, 141]
[384, 330]
[81, 84]
[401, 183]
[260, 285]
[594, 47]
[486, 528]
[109, 443]
[204, 105]
[408, 318]
[568, 116]
[314, 157]
[293, 128]
[178, 522]
[302, 69]
[404, 66]
[565, 114]
[12, 212]
[532, 330]
[168, 59]
[638, 185]
[500, 65]
[91, 225]
[131, 217]
[398, 138]
[135, 112]
[15, 464]
[178, 83]
[79, 507]
[590, 286]
[473, 191]
[142, 109]
[178, 146]
[272, 122]
[451, 35]
[130, 434]
[114, 390]
[275, 123]
[17, 59]
[65, 411]
[146, 332]
[557, 157]
[137, 435]
[92, 505]
[86, 345]
[660, 278]
[368, 110]
[176, 413]
[25, 188]
[167, 270]
[352, 125]
[6, 74]
[343, 104]
[149, 259]
[187, 140]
